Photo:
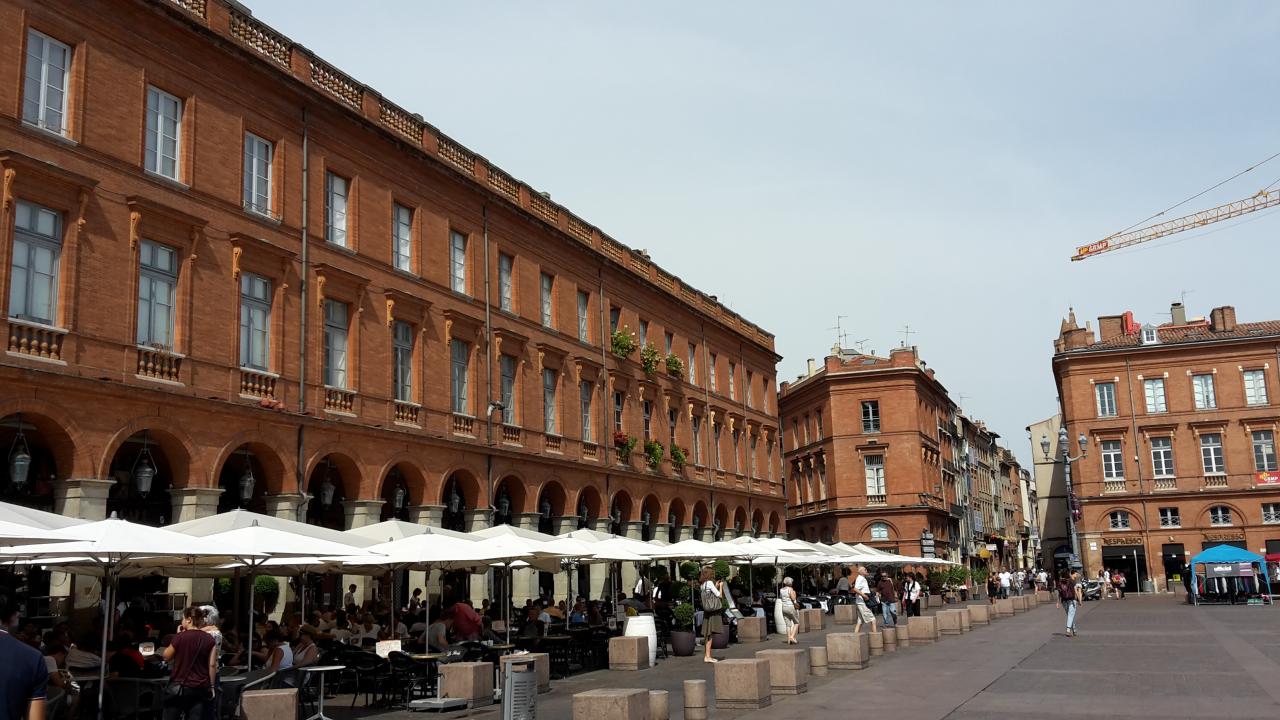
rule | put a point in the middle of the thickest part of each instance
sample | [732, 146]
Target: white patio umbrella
[31, 517]
[12, 533]
[113, 546]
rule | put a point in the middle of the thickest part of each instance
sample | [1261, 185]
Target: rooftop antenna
[907, 332]
[840, 333]
[860, 344]
[1184, 295]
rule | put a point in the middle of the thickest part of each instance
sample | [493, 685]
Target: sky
[930, 164]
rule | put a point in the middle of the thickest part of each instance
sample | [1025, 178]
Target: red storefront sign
[1267, 479]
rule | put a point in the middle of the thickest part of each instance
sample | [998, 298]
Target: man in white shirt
[862, 593]
[1006, 580]
[350, 598]
[1019, 581]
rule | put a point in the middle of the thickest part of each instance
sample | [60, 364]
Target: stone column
[430, 516]
[524, 581]
[481, 585]
[599, 571]
[684, 532]
[192, 504]
[86, 499]
[560, 526]
[630, 570]
[359, 514]
[287, 507]
[705, 534]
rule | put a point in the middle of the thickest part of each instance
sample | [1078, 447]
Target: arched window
[1219, 515]
[1119, 520]
[879, 531]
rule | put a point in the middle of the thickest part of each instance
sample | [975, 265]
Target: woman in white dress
[786, 615]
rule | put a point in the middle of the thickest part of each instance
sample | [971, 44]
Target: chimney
[813, 367]
[1223, 319]
[1110, 326]
[1178, 313]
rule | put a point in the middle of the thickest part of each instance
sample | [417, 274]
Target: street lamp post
[1072, 503]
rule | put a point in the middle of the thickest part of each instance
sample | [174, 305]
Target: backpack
[1066, 591]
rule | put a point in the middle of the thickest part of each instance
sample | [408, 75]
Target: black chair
[410, 679]
[663, 627]
[372, 674]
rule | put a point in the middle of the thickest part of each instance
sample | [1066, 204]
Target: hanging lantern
[399, 498]
[545, 509]
[19, 460]
[327, 488]
[455, 500]
[246, 486]
[144, 469]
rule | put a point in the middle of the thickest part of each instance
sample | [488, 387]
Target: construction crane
[1261, 201]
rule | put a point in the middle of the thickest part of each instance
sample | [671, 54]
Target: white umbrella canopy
[281, 543]
[234, 519]
[426, 551]
[697, 550]
[618, 549]
[12, 533]
[114, 541]
[389, 530]
[30, 517]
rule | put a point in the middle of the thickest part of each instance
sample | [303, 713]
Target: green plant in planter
[623, 444]
[957, 575]
[980, 575]
[684, 617]
[649, 359]
[689, 571]
[937, 580]
[678, 458]
[266, 588]
[623, 342]
[653, 452]
[675, 366]
[722, 569]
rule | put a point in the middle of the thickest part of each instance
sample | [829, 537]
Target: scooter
[1092, 590]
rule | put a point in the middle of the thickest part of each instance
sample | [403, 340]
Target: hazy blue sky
[924, 163]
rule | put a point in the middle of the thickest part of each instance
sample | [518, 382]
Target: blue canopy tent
[1228, 561]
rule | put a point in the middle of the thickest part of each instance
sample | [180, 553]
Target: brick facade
[1183, 416]
[93, 403]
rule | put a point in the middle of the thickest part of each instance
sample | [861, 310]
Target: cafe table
[321, 669]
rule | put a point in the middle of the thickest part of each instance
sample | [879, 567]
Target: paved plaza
[1139, 657]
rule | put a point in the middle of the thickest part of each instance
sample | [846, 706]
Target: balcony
[957, 510]
[512, 435]
[876, 500]
[157, 363]
[553, 443]
[257, 383]
[1166, 483]
[464, 425]
[1215, 481]
[339, 400]
[36, 340]
[1113, 486]
[407, 412]
[590, 451]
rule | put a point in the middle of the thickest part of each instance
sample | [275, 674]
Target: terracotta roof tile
[1199, 332]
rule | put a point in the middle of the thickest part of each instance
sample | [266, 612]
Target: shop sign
[1122, 540]
[991, 547]
[1229, 570]
[1264, 479]
[1223, 537]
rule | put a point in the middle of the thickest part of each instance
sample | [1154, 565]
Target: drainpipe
[1142, 499]
[488, 362]
[302, 279]
[711, 428]
[606, 403]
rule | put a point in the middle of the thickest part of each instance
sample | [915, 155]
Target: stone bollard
[923, 630]
[1044, 596]
[818, 660]
[802, 625]
[890, 635]
[270, 704]
[1004, 607]
[965, 623]
[949, 621]
[846, 614]
[848, 651]
[788, 670]
[904, 634]
[752, 630]
[743, 684]
[611, 704]
[470, 681]
[695, 700]
[876, 640]
[629, 653]
[979, 614]
[815, 619]
[659, 705]
[1019, 603]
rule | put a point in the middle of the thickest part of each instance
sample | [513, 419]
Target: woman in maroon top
[192, 668]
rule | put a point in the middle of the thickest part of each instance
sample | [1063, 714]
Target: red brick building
[878, 453]
[1180, 422]
[227, 262]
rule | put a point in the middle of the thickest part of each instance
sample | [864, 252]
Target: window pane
[506, 298]
[335, 225]
[402, 227]
[458, 262]
[460, 358]
[549, 400]
[584, 301]
[164, 113]
[548, 316]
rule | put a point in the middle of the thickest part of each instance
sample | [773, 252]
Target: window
[672, 418]
[715, 444]
[646, 410]
[644, 333]
[695, 425]
[1150, 336]
[1162, 456]
[870, 416]
[874, 465]
[1219, 515]
[618, 401]
[1154, 390]
[549, 377]
[402, 360]
[401, 241]
[817, 418]
[752, 470]
[879, 531]
[164, 129]
[44, 91]
[506, 294]
[1112, 461]
[668, 340]
[255, 321]
[1211, 454]
[615, 317]
[750, 381]
[736, 436]
[1202, 389]
[1255, 387]
[548, 285]
[733, 381]
[1170, 518]
[711, 370]
[157, 280]
[1106, 395]
[257, 174]
[584, 399]
[1264, 451]
[807, 439]
[693, 364]
[458, 261]
[584, 327]
[459, 360]
[37, 252]
[335, 344]
[1119, 520]
[1271, 513]
[335, 209]
[507, 390]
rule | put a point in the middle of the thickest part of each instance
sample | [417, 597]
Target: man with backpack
[1069, 594]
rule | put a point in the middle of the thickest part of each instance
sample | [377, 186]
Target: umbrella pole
[302, 596]
[107, 591]
[506, 604]
[248, 630]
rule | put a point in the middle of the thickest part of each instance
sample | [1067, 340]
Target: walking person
[862, 593]
[786, 616]
[24, 678]
[192, 669]
[993, 588]
[1006, 582]
[888, 600]
[1069, 594]
[712, 609]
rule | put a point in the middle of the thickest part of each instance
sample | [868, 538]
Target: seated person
[124, 660]
[306, 652]
[367, 629]
[534, 626]
[279, 655]
[466, 622]
[438, 632]
[578, 616]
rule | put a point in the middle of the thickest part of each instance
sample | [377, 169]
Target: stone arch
[415, 479]
[278, 471]
[552, 491]
[268, 470]
[1135, 520]
[700, 517]
[757, 523]
[677, 513]
[775, 523]
[1238, 518]
[589, 499]
[59, 430]
[621, 503]
[512, 488]
[347, 466]
[721, 518]
[468, 484]
[177, 446]
[402, 486]
[864, 534]
[651, 505]
[740, 519]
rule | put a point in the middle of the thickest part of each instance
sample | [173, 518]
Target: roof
[1225, 554]
[1193, 333]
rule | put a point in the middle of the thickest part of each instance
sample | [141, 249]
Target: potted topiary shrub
[979, 576]
[653, 452]
[683, 641]
[649, 359]
[266, 589]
